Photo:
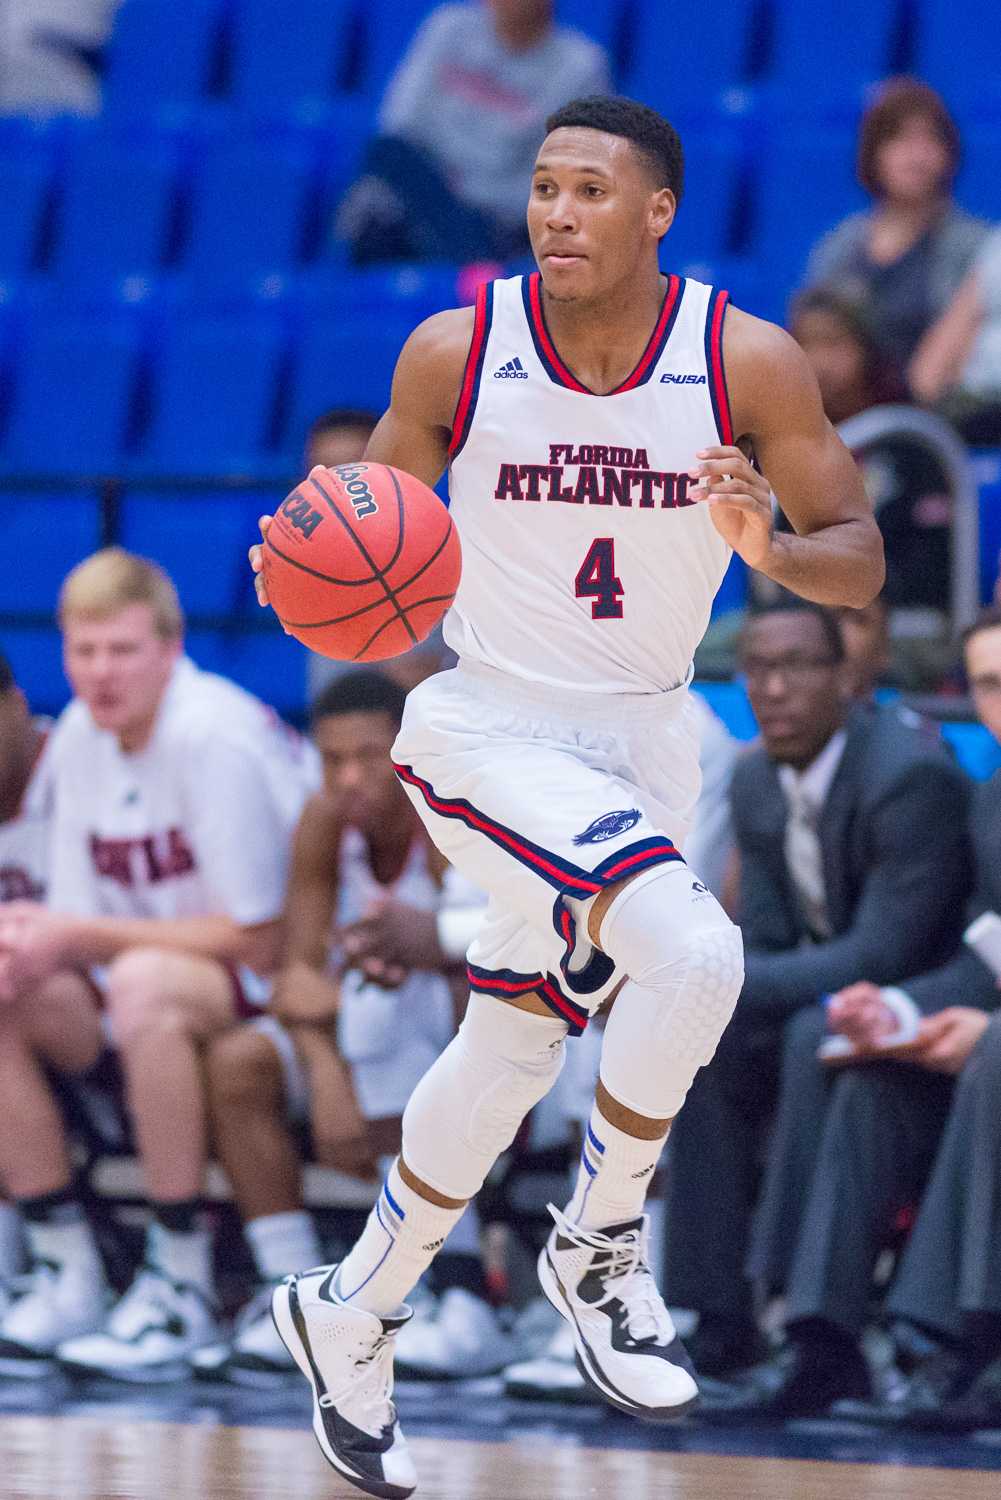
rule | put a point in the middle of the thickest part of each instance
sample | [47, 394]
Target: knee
[139, 999]
[242, 1068]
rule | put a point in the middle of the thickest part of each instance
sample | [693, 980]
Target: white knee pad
[685, 962]
[467, 1108]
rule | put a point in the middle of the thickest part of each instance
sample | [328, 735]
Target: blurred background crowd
[227, 952]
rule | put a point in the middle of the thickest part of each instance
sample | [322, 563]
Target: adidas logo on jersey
[513, 370]
[682, 380]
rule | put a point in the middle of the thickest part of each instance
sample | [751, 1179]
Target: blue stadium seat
[72, 392]
[703, 227]
[803, 183]
[47, 532]
[348, 362]
[389, 28]
[116, 204]
[214, 388]
[955, 53]
[602, 20]
[729, 700]
[685, 55]
[36, 655]
[249, 211]
[284, 56]
[201, 538]
[26, 174]
[266, 662]
[158, 59]
[978, 187]
[826, 54]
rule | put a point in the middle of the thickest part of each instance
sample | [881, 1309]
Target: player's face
[797, 689]
[983, 669]
[593, 212]
[119, 667]
[912, 164]
[358, 770]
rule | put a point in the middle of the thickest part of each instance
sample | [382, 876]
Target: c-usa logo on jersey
[682, 379]
[608, 826]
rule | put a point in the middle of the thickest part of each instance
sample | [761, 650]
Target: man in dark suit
[851, 829]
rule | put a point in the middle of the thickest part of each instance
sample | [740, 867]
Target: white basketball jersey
[586, 565]
[197, 823]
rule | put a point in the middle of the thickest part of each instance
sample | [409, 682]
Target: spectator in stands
[175, 796]
[905, 482]
[907, 255]
[851, 831]
[338, 436]
[957, 366]
[24, 836]
[459, 129]
[376, 928]
[50, 56]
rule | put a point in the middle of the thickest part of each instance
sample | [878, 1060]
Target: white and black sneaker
[346, 1354]
[255, 1355]
[44, 1306]
[553, 1374]
[463, 1341]
[626, 1345]
[150, 1335]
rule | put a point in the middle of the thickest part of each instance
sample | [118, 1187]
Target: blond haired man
[164, 905]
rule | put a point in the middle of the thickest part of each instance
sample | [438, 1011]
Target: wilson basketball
[361, 561]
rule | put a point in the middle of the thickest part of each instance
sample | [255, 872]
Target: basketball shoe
[254, 1355]
[626, 1344]
[150, 1334]
[45, 1305]
[346, 1354]
[462, 1340]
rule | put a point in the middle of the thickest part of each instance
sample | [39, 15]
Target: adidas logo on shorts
[513, 370]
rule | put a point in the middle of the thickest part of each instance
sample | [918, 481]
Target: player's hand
[256, 555]
[390, 940]
[739, 500]
[946, 1041]
[860, 1013]
[33, 945]
[302, 996]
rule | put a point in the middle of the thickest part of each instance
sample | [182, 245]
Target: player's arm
[415, 432]
[835, 553]
[303, 991]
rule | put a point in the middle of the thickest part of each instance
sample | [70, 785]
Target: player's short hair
[655, 138]
[340, 417]
[111, 580]
[7, 678]
[899, 101]
[987, 619]
[362, 690]
[792, 604]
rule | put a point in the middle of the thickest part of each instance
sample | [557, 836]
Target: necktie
[804, 861]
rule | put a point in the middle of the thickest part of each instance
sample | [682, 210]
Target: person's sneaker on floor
[625, 1341]
[464, 1339]
[150, 1335]
[723, 1345]
[44, 1306]
[552, 1376]
[346, 1354]
[254, 1355]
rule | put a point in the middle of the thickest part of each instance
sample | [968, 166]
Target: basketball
[361, 561]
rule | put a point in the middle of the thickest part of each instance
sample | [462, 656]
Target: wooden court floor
[84, 1458]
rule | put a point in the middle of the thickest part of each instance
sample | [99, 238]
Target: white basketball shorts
[536, 796]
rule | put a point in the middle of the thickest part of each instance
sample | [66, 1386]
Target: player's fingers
[736, 498]
[736, 463]
[263, 523]
[722, 450]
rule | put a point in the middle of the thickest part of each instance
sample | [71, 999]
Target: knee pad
[467, 1108]
[685, 962]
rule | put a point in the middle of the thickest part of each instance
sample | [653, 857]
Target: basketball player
[596, 418]
[367, 892]
[165, 902]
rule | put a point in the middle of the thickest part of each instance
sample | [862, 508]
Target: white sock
[613, 1177]
[70, 1246]
[282, 1244]
[183, 1257]
[403, 1235]
[11, 1242]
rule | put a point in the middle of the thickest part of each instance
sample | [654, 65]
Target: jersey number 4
[596, 580]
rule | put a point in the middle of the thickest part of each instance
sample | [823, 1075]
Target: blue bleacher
[685, 57]
[201, 537]
[115, 207]
[72, 391]
[266, 662]
[250, 200]
[956, 51]
[161, 56]
[214, 389]
[36, 656]
[706, 217]
[825, 54]
[342, 362]
[282, 60]
[26, 176]
[389, 26]
[602, 20]
[978, 186]
[789, 211]
[45, 534]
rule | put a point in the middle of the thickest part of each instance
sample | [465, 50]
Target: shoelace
[625, 1275]
[370, 1396]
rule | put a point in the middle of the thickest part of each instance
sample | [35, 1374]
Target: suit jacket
[964, 979]
[897, 867]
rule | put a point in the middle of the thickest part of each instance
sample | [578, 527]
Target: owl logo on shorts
[608, 826]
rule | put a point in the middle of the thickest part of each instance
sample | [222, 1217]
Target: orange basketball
[361, 561]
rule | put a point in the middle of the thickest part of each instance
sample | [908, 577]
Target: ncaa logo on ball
[608, 826]
[300, 514]
[356, 489]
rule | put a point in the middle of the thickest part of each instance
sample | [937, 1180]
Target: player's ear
[662, 209]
